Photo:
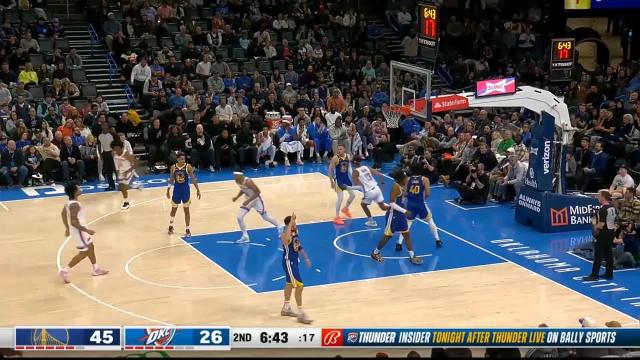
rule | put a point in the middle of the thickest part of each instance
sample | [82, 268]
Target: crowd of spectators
[211, 78]
[43, 136]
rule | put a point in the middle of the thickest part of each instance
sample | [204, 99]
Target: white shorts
[256, 204]
[125, 180]
[266, 149]
[82, 239]
[373, 196]
[291, 147]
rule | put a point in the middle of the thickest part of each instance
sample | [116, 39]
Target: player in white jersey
[129, 149]
[73, 218]
[264, 141]
[363, 180]
[125, 167]
[252, 200]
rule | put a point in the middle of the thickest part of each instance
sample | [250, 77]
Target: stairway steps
[94, 57]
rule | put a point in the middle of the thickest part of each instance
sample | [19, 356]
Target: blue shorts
[181, 197]
[343, 185]
[418, 211]
[323, 144]
[292, 272]
[396, 223]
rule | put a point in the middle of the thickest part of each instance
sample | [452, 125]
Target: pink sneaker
[100, 272]
[64, 275]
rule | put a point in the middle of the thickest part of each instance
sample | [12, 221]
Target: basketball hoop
[392, 114]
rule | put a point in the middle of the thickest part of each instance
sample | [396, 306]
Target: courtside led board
[600, 4]
[495, 87]
[562, 59]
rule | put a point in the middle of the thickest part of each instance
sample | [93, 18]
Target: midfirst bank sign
[547, 211]
[572, 215]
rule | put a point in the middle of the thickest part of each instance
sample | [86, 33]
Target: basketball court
[491, 271]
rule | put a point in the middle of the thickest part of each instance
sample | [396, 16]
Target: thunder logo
[159, 337]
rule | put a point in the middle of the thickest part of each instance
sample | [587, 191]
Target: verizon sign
[449, 103]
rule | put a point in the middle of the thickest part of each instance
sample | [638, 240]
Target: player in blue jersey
[339, 170]
[181, 173]
[292, 250]
[397, 219]
[418, 188]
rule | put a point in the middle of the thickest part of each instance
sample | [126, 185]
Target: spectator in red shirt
[67, 128]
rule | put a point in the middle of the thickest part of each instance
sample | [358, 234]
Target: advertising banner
[550, 212]
[541, 155]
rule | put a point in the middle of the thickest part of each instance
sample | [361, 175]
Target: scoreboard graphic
[68, 338]
[177, 338]
[562, 59]
[208, 338]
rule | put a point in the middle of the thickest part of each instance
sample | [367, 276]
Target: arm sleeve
[398, 208]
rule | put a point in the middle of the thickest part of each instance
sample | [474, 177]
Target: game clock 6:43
[281, 337]
[276, 338]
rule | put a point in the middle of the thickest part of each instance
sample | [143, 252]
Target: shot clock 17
[428, 34]
[562, 59]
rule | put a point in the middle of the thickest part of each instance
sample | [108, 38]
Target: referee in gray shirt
[604, 222]
[108, 166]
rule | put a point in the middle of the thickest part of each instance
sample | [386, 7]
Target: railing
[393, 21]
[95, 38]
[113, 72]
[130, 98]
[443, 74]
[113, 67]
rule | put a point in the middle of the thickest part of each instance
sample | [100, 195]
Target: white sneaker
[300, 162]
[243, 240]
[266, 163]
[286, 162]
[211, 169]
[287, 311]
[371, 223]
[125, 206]
[303, 318]
[101, 178]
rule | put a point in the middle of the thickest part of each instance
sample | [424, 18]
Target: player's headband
[238, 173]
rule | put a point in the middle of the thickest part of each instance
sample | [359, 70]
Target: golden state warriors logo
[159, 337]
[577, 4]
[50, 337]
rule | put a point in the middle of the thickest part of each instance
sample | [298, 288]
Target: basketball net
[392, 114]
